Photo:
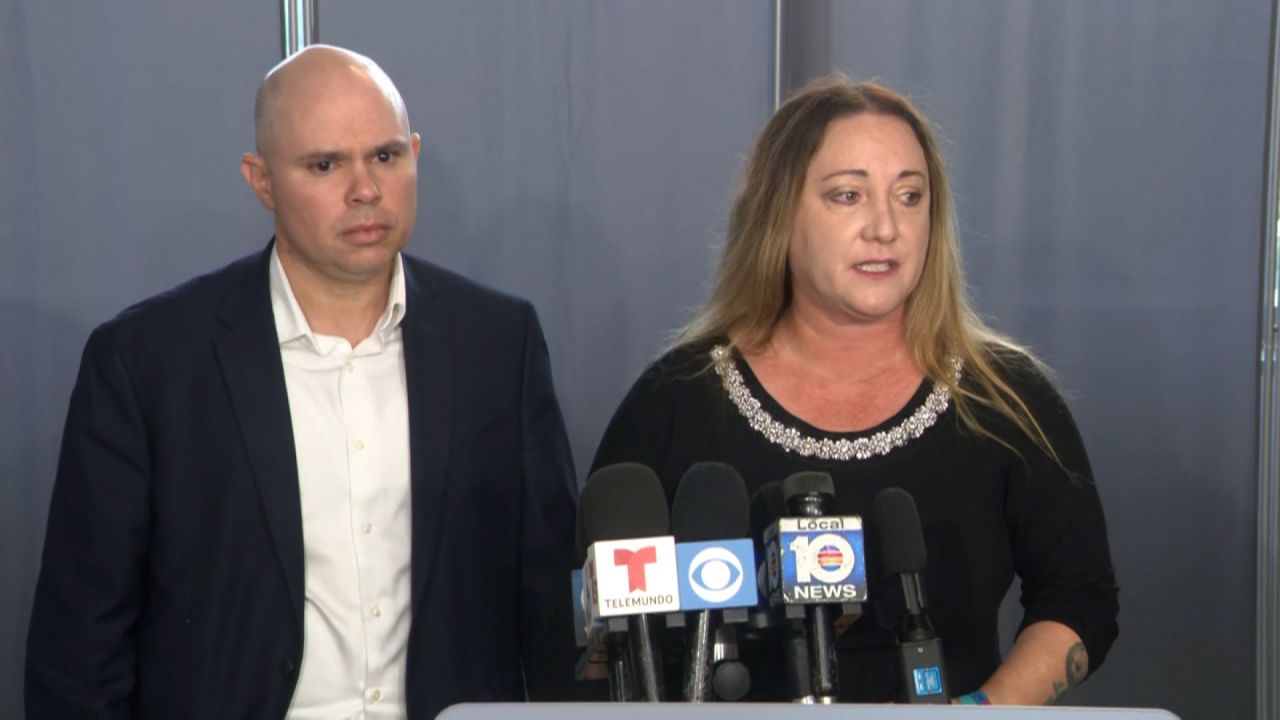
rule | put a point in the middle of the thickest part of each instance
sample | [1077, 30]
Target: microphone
[629, 572]
[716, 567]
[815, 573]
[730, 678]
[809, 494]
[786, 623]
[924, 678]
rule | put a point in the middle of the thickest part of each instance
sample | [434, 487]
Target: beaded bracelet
[977, 697]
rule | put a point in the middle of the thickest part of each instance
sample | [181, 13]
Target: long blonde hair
[753, 288]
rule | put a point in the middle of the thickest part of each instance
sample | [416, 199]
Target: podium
[784, 711]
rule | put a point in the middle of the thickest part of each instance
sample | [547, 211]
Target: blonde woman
[838, 337]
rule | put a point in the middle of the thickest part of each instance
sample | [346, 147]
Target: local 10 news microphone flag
[922, 671]
[629, 577]
[815, 570]
[717, 574]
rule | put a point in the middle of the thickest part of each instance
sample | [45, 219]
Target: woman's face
[861, 227]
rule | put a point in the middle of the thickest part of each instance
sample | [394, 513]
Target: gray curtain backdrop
[580, 154]
[1108, 159]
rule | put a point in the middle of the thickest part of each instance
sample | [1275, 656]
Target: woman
[838, 337]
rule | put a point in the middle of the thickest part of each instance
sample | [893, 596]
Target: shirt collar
[291, 323]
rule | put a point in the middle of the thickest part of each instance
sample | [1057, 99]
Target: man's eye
[322, 166]
[386, 156]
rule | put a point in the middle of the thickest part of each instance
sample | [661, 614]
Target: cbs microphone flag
[717, 574]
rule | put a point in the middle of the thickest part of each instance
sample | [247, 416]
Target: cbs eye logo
[715, 574]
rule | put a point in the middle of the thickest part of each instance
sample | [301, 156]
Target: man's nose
[364, 186]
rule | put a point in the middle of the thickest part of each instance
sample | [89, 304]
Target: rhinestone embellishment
[792, 440]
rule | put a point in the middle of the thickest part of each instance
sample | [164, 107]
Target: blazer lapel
[429, 378]
[249, 355]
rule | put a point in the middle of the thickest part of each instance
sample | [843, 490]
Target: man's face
[340, 174]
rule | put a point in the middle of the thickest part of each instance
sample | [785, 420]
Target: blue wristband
[977, 697]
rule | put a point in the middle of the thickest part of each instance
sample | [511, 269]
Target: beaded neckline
[793, 440]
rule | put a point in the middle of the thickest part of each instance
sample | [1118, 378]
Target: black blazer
[172, 580]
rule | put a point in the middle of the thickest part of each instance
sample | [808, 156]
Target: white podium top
[779, 711]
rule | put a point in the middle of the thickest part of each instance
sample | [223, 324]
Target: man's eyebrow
[343, 156]
[323, 155]
[401, 145]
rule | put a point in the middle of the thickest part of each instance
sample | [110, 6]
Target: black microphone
[710, 504]
[810, 494]
[730, 678]
[784, 623]
[923, 674]
[621, 502]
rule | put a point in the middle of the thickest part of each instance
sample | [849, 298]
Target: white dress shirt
[350, 416]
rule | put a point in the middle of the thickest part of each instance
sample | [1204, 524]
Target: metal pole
[1268, 554]
[298, 25]
[777, 53]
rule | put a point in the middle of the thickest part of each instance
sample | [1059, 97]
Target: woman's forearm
[1046, 661]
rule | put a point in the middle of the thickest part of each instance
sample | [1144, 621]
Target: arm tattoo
[1077, 669]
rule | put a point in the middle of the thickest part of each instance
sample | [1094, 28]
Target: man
[326, 481]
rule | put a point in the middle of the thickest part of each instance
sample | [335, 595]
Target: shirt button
[376, 695]
[376, 611]
[349, 366]
[359, 444]
[366, 528]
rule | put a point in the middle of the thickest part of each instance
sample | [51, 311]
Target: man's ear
[254, 169]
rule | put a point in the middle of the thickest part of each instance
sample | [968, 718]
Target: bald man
[329, 480]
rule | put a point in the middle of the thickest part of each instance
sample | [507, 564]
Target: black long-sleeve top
[988, 511]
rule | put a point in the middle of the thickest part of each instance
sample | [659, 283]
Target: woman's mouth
[875, 266]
